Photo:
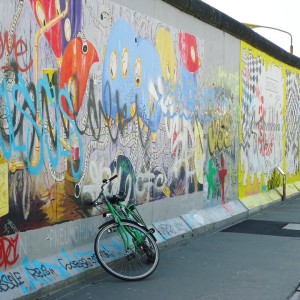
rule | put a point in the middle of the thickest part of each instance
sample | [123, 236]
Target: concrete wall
[142, 90]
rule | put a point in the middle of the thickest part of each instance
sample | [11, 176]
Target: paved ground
[256, 259]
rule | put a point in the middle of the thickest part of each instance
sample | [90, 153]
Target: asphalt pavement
[258, 258]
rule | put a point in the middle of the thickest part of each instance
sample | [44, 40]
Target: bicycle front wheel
[128, 252]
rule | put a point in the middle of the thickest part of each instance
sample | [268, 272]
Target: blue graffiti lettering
[21, 87]
[40, 272]
[10, 281]
[76, 264]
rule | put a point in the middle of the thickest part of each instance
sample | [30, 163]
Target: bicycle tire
[135, 263]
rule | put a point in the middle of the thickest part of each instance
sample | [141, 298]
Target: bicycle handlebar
[113, 177]
[104, 182]
[110, 179]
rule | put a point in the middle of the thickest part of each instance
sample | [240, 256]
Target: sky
[280, 14]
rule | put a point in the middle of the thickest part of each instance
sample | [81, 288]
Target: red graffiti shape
[17, 47]
[8, 251]
[189, 51]
[45, 11]
[222, 175]
[77, 61]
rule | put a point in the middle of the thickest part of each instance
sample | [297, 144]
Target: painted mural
[90, 89]
[292, 80]
[262, 121]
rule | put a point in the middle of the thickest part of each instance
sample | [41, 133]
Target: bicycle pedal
[151, 230]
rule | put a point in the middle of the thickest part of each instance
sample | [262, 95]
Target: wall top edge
[220, 20]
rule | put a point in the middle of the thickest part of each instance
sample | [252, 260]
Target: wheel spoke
[112, 244]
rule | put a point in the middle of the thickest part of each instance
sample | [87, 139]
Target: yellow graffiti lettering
[219, 133]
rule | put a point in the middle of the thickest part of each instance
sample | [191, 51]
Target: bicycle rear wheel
[134, 258]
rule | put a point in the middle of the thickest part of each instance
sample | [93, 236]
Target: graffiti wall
[90, 89]
[292, 81]
[269, 132]
[262, 120]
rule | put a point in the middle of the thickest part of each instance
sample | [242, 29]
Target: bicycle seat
[120, 197]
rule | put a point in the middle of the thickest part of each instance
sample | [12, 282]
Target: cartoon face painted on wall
[191, 64]
[79, 56]
[76, 55]
[166, 50]
[62, 32]
[118, 68]
[131, 77]
[189, 52]
[71, 23]
[148, 77]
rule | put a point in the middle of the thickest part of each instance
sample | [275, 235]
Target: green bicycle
[124, 246]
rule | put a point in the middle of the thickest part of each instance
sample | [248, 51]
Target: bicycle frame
[136, 237]
[129, 212]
